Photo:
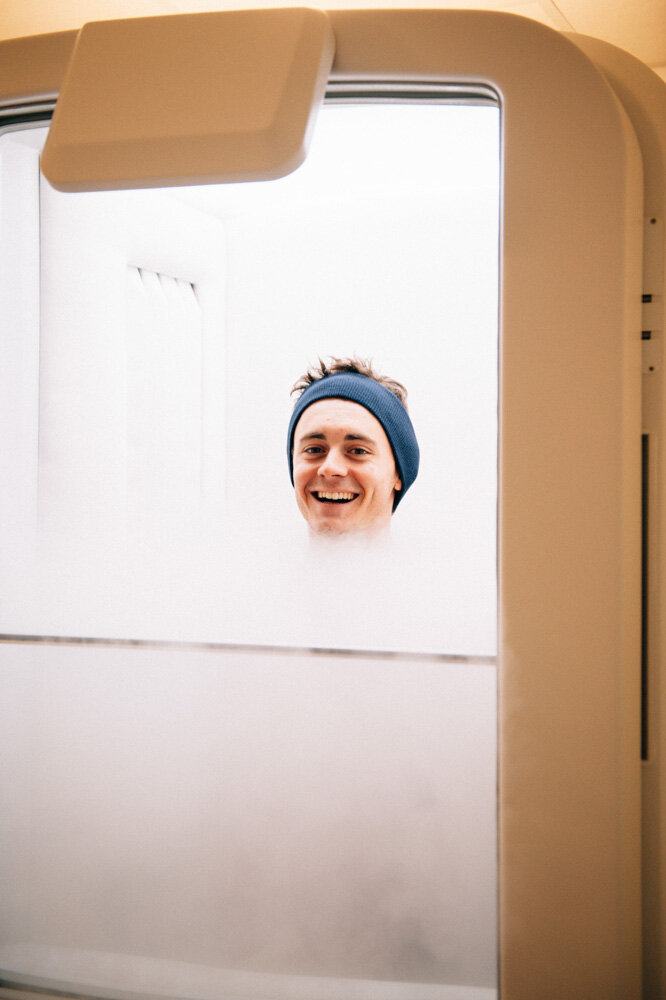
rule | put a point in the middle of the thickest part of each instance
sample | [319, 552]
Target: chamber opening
[250, 816]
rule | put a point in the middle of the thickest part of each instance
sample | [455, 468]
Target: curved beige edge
[643, 94]
[569, 479]
[189, 99]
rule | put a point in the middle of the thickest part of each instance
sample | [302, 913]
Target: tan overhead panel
[639, 28]
[189, 99]
[40, 16]
[31, 69]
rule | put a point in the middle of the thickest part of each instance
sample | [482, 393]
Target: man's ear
[398, 483]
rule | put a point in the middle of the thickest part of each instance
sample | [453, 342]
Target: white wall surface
[384, 244]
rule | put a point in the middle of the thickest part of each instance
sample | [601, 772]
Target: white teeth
[336, 496]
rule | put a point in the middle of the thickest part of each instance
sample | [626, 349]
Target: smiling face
[344, 469]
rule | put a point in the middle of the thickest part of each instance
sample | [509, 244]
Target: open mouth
[328, 497]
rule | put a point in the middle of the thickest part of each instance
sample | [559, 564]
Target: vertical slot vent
[645, 484]
[164, 403]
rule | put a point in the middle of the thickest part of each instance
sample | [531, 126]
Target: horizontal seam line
[178, 644]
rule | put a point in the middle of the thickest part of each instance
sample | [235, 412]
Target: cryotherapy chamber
[236, 765]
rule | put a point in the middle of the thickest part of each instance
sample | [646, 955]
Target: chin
[334, 529]
[331, 528]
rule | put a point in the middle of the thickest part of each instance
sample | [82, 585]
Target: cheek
[384, 478]
[302, 475]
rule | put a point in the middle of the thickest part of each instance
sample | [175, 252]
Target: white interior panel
[121, 372]
[330, 817]
[19, 358]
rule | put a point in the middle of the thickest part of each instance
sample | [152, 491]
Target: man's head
[351, 447]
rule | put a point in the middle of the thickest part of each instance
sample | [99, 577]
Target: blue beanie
[382, 403]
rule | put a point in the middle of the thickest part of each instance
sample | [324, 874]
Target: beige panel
[190, 99]
[569, 516]
[61, 15]
[33, 68]
[639, 27]
[643, 94]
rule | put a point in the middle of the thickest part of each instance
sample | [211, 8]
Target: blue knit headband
[381, 402]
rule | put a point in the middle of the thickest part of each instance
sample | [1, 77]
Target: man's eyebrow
[359, 437]
[320, 436]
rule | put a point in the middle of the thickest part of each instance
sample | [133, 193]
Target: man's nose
[333, 464]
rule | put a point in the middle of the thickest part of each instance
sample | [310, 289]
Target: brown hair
[361, 366]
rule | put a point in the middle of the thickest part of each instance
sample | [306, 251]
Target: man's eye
[313, 449]
[358, 451]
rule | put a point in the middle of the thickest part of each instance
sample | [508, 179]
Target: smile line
[328, 496]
